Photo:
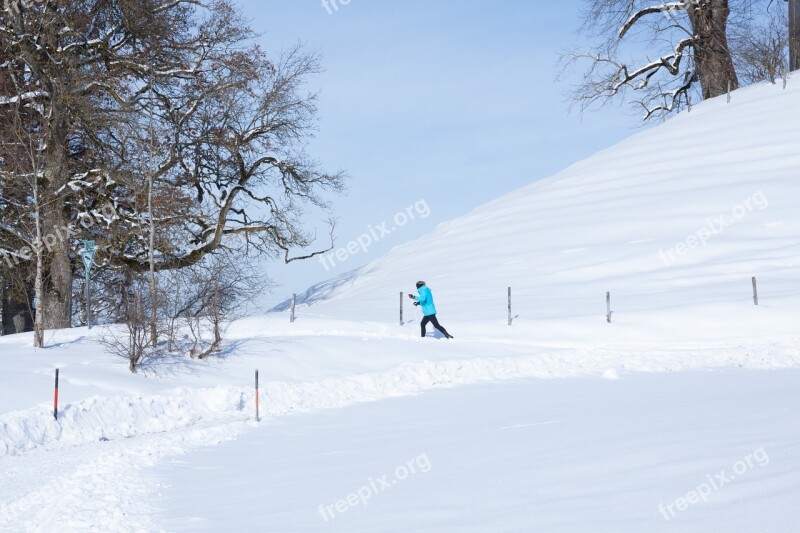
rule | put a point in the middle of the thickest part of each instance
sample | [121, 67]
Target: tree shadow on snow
[322, 291]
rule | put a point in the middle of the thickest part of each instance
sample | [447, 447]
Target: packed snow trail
[97, 486]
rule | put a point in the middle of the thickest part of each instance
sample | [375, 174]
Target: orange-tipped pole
[55, 399]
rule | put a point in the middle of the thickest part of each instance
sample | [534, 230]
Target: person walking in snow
[425, 300]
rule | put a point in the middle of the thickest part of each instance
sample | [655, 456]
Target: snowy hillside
[674, 222]
[689, 380]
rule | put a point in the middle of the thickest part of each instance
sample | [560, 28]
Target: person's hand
[411, 296]
[416, 303]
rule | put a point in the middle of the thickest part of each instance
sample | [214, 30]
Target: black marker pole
[256, 395]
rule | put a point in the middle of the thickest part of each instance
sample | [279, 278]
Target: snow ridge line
[100, 418]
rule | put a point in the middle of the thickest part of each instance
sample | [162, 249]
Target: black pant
[432, 320]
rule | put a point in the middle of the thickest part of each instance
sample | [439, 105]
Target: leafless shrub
[131, 340]
[204, 297]
[762, 47]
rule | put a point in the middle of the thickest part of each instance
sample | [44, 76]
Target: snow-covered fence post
[55, 398]
[401, 308]
[294, 302]
[755, 291]
[256, 395]
[509, 306]
[608, 307]
[729, 91]
[785, 76]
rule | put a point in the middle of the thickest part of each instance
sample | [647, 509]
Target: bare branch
[663, 8]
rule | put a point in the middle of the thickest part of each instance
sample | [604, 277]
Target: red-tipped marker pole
[256, 395]
[55, 399]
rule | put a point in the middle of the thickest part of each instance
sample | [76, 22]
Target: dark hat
[420, 284]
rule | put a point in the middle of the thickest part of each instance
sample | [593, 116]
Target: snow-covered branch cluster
[686, 51]
[167, 112]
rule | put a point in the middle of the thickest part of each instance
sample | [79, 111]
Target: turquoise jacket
[425, 300]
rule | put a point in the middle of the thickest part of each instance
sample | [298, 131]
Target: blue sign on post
[87, 255]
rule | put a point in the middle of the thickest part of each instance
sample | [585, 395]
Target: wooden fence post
[256, 395]
[608, 307]
[294, 302]
[509, 306]
[785, 78]
[401, 308]
[755, 291]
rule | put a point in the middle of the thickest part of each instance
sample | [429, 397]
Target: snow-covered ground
[535, 455]
[690, 378]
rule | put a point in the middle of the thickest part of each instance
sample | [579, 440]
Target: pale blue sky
[453, 101]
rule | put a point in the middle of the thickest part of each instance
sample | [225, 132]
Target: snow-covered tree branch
[95, 80]
[659, 54]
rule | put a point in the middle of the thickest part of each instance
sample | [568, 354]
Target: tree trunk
[38, 325]
[711, 53]
[16, 313]
[152, 244]
[151, 251]
[38, 284]
[56, 304]
[794, 35]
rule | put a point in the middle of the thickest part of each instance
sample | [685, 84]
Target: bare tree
[21, 173]
[208, 294]
[761, 47]
[684, 44]
[151, 244]
[237, 152]
[794, 35]
[131, 340]
[231, 126]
